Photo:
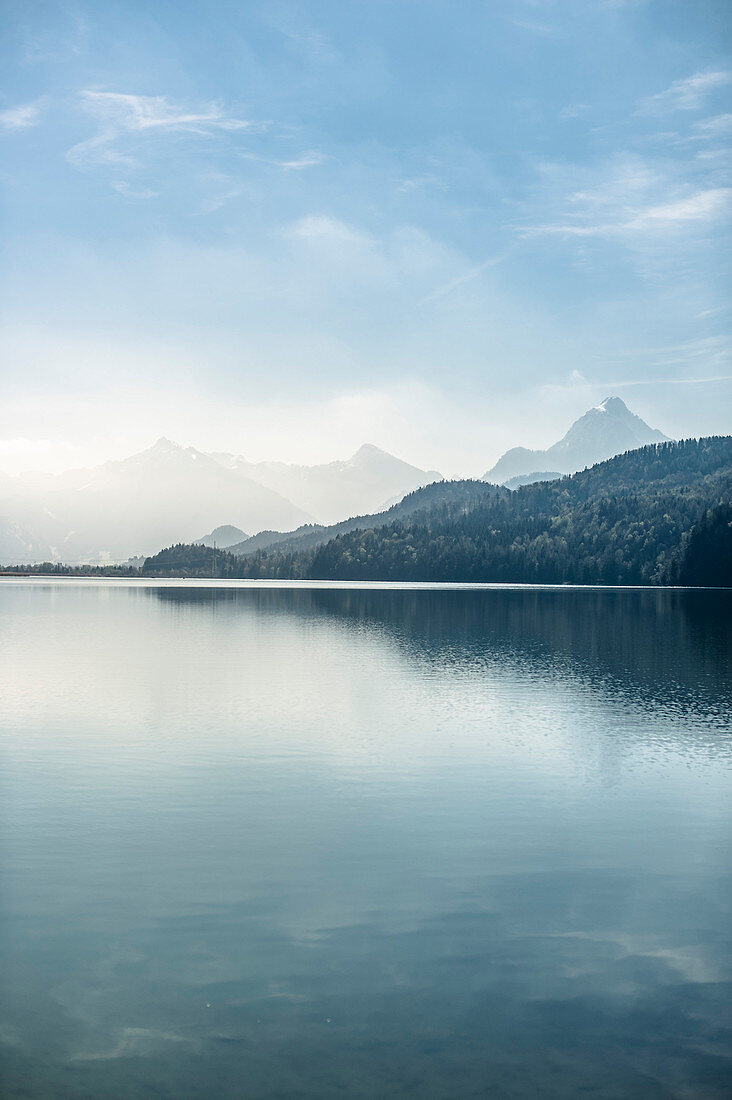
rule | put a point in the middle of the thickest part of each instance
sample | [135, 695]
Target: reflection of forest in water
[662, 649]
[429, 842]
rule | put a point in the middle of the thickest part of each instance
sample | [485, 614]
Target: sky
[284, 229]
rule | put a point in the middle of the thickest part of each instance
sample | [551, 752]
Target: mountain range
[605, 431]
[169, 493]
[660, 514]
[334, 490]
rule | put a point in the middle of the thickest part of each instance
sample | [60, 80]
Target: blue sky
[442, 226]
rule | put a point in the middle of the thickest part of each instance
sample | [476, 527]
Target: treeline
[657, 515]
[50, 568]
[187, 560]
[621, 522]
[193, 560]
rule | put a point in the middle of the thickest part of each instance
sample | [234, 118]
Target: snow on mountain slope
[606, 430]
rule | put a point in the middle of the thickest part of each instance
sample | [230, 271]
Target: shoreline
[282, 583]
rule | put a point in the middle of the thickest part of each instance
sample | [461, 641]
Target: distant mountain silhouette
[223, 537]
[167, 493]
[20, 542]
[120, 509]
[531, 479]
[332, 491]
[607, 430]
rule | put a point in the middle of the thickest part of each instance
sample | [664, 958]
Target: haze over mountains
[659, 514]
[332, 491]
[604, 431]
[121, 509]
[169, 494]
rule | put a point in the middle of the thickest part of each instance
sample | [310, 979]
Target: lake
[364, 841]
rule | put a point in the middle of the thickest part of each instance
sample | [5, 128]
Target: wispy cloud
[460, 280]
[313, 44]
[215, 202]
[574, 110]
[615, 384]
[97, 152]
[718, 126]
[123, 115]
[703, 206]
[20, 117]
[305, 160]
[141, 112]
[417, 183]
[579, 381]
[48, 41]
[309, 159]
[714, 312]
[319, 227]
[627, 198]
[688, 94]
[705, 360]
[129, 192]
[707, 353]
[544, 30]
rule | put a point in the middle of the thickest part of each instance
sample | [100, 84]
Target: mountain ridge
[605, 430]
[222, 537]
[330, 491]
[128, 507]
[626, 521]
[123, 508]
[460, 493]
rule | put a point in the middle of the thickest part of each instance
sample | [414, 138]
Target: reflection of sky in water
[276, 843]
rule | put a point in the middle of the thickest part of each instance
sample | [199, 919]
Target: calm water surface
[271, 842]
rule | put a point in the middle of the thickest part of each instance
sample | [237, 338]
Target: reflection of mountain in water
[663, 649]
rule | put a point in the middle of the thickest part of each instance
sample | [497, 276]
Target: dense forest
[706, 551]
[51, 568]
[657, 515]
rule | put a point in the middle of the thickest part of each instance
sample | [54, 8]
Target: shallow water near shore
[366, 841]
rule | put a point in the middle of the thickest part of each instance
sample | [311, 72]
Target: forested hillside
[706, 551]
[456, 496]
[651, 516]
